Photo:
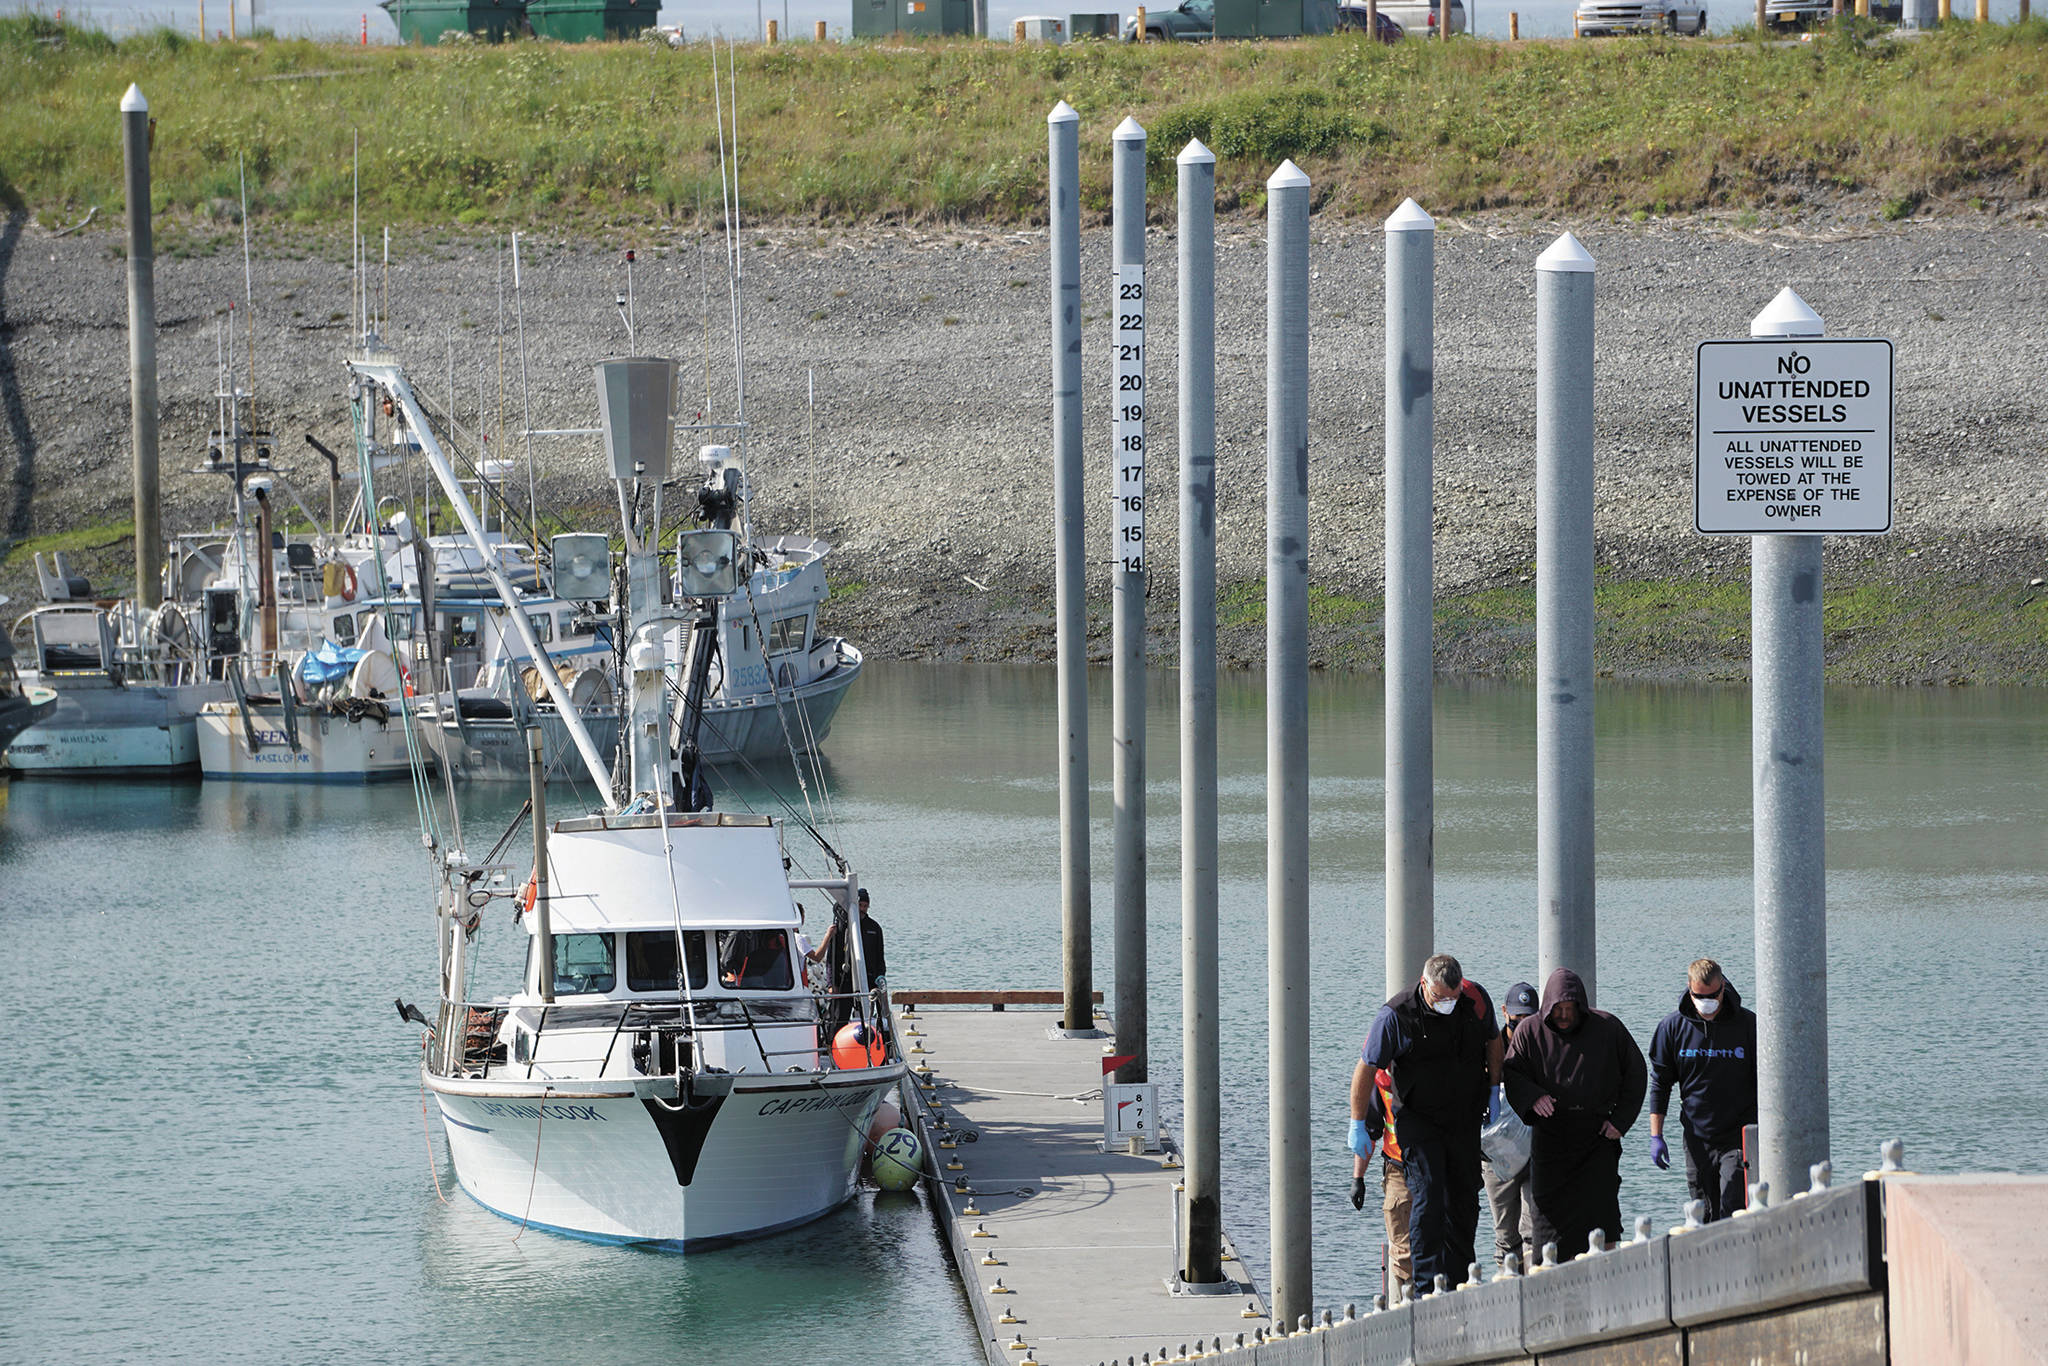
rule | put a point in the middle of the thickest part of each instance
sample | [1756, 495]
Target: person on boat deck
[805, 954]
[1575, 1075]
[1440, 1043]
[1707, 1048]
[870, 950]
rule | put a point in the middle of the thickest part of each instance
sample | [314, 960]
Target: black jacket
[1438, 1061]
[1712, 1061]
[1594, 1073]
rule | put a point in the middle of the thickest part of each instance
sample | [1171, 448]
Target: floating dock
[1066, 1251]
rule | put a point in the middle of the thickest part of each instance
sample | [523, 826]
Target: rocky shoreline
[926, 459]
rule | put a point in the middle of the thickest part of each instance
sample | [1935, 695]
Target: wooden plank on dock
[1083, 1240]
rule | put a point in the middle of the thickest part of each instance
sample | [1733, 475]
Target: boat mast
[636, 399]
[390, 377]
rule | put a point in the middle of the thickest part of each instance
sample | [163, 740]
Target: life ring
[529, 893]
[404, 676]
[348, 591]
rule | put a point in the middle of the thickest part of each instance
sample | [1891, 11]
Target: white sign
[1130, 1110]
[1793, 435]
[1130, 418]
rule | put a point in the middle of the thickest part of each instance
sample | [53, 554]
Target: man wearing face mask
[1576, 1076]
[1708, 1047]
[1440, 1045]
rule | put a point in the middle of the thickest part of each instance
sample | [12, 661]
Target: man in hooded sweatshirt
[1576, 1076]
[1708, 1047]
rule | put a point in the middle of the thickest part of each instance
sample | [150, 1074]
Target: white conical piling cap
[1567, 255]
[1063, 113]
[1288, 177]
[133, 103]
[1410, 217]
[1195, 154]
[1788, 315]
[1130, 130]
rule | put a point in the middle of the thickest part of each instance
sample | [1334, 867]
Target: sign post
[1792, 440]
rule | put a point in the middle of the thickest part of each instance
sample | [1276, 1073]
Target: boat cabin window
[584, 964]
[755, 960]
[786, 635]
[464, 636]
[344, 629]
[543, 624]
[651, 959]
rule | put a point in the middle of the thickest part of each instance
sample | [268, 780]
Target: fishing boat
[659, 1073]
[20, 706]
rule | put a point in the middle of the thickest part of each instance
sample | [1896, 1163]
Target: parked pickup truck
[1594, 18]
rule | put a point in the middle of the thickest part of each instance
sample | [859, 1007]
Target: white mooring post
[142, 387]
[1070, 582]
[1410, 441]
[1789, 806]
[1287, 737]
[1127, 722]
[1564, 612]
[1201, 1258]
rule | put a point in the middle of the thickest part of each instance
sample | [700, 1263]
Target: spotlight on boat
[583, 566]
[708, 563]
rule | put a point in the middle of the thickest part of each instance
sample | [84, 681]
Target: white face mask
[1444, 1007]
[1707, 1006]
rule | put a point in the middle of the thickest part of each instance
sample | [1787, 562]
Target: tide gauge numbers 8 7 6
[1129, 484]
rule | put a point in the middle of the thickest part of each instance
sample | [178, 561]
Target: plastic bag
[1505, 1142]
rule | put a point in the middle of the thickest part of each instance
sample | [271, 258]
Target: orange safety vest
[1384, 1081]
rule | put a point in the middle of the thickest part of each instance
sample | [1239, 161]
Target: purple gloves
[1660, 1152]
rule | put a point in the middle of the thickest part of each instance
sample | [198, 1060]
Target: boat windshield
[755, 960]
[651, 959]
[584, 964]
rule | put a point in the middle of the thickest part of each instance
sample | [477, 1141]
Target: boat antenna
[498, 429]
[626, 306]
[704, 290]
[525, 398]
[384, 302]
[739, 340]
[359, 304]
[811, 441]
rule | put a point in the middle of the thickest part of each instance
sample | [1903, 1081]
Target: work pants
[1713, 1172]
[1443, 1182]
[1396, 1205]
[1575, 1177]
[1513, 1214]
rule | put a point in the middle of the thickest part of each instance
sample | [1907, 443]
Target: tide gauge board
[1793, 435]
[1129, 484]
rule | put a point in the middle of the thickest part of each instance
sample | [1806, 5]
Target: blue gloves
[1360, 1141]
[1660, 1153]
[1493, 1106]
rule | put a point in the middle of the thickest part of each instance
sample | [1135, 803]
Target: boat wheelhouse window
[465, 634]
[786, 634]
[584, 964]
[344, 628]
[651, 959]
[543, 624]
[755, 960]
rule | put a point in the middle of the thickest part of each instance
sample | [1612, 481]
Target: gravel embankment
[933, 412]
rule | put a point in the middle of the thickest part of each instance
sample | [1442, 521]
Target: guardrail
[1698, 1294]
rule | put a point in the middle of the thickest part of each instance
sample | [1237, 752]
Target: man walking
[1439, 1044]
[1507, 1192]
[1576, 1076]
[1708, 1047]
[1368, 1132]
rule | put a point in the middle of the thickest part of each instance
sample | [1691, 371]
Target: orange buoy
[857, 1045]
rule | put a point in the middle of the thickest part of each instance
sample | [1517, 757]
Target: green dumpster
[426, 21]
[589, 21]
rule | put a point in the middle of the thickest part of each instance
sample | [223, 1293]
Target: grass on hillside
[954, 130]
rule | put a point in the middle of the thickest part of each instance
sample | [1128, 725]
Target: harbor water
[215, 1136]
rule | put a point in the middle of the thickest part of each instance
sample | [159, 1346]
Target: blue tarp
[328, 664]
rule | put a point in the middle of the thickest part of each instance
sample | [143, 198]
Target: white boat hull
[617, 1169]
[104, 729]
[332, 749]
